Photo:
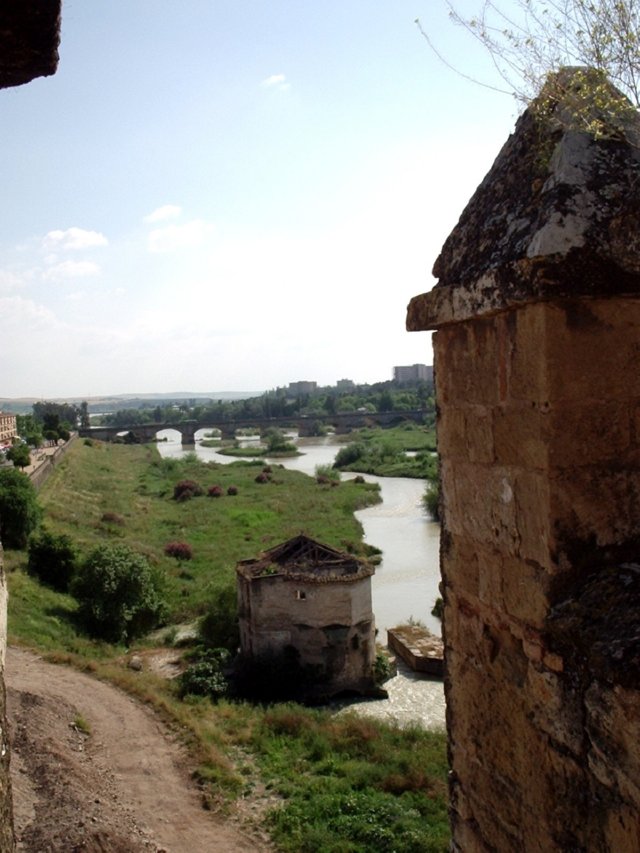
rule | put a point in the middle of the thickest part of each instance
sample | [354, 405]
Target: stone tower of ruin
[537, 365]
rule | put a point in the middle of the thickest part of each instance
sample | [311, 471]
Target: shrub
[215, 491]
[113, 518]
[232, 490]
[118, 593]
[19, 510]
[349, 454]
[88, 442]
[179, 550]
[262, 477]
[431, 499]
[52, 559]
[218, 628]
[206, 676]
[326, 474]
[438, 608]
[186, 489]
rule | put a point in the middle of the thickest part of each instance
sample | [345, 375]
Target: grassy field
[332, 784]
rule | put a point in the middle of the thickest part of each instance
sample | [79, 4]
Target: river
[405, 584]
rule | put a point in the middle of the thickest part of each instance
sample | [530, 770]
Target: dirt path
[122, 789]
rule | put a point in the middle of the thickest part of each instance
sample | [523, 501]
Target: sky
[233, 195]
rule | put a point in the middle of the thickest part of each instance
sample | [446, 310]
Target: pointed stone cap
[556, 217]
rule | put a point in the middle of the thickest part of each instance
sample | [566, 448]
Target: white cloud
[161, 214]
[72, 269]
[276, 81]
[172, 237]
[9, 281]
[74, 238]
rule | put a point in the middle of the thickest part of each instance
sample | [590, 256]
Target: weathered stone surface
[7, 841]
[556, 216]
[29, 37]
[538, 392]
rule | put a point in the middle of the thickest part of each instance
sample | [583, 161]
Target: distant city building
[308, 597]
[345, 383]
[8, 428]
[413, 373]
[300, 388]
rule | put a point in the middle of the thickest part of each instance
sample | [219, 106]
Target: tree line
[388, 396]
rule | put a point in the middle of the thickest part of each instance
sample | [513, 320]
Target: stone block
[466, 364]
[598, 504]
[593, 350]
[518, 436]
[479, 434]
[587, 433]
[622, 830]
[460, 566]
[554, 709]
[613, 728]
[533, 521]
[480, 504]
[528, 369]
[451, 431]
[524, 591]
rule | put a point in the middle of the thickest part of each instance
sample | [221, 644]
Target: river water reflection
[405, 584]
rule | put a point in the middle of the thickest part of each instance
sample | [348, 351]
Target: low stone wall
[42, 470]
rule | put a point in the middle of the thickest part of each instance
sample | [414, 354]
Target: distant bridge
[305, 425]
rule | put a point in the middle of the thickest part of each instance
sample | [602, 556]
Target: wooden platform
[418, 648]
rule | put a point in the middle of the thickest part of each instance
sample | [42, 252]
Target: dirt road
[123, 788]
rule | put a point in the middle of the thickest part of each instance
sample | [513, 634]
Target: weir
[537, 312]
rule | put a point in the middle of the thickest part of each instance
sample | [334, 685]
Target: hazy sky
[233, 195]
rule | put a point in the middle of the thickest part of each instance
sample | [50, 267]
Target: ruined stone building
[537, 371]
[304, 596]
[29, 37]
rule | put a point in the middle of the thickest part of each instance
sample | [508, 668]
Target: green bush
[205, 677]
[218, 628]
[327, 474]
[349, 454]
[52, 559]
[431, 499]
[118, 593]
[19, 510]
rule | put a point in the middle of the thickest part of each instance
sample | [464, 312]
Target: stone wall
[43, 469]
[29, 38]
[7, 842]
[538, 395]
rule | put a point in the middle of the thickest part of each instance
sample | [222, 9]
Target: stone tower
[537, 364]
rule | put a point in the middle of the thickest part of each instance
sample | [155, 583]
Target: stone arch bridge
[305, 425]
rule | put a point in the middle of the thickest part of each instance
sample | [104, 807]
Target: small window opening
[301, 595]
[355, 642]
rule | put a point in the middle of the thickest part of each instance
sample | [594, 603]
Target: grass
[118, 493]
[340, 783]
[404, 451]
